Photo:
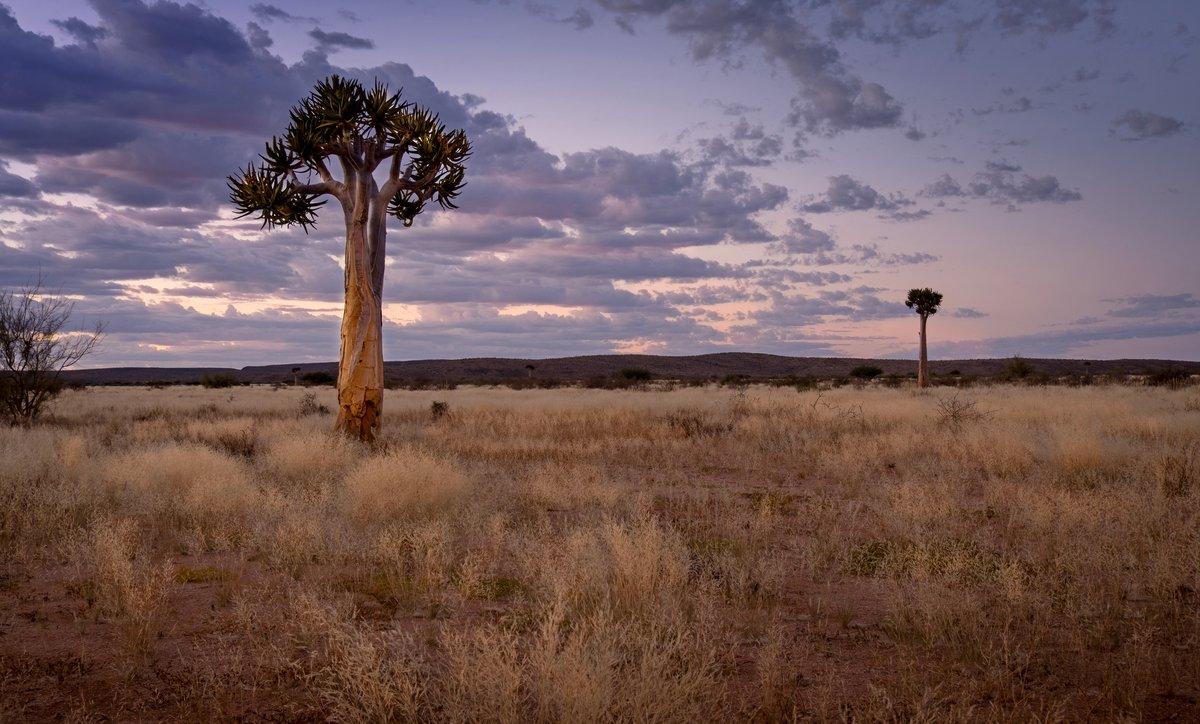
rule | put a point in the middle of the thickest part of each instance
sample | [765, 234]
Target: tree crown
[925, 301]
[362, 128]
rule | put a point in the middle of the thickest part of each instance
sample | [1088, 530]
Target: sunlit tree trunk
[360, 365]
[923, 364]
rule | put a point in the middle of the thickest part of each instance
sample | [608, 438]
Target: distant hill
[704, 366]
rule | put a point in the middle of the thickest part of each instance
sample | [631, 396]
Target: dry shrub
[30, 456]
[356, 675]
[46, 489]
[415, 558]
[599, 669]
[74, 456]
[306, 459]
[187, 478]
[292, 532]
[208, 493]
[117, 580]
[484, 675]
[1001, 451]
[406, 481]
[563, 486]
[1087, 460]
[778, 678]
[633, 570]
[953, 413]
[1178, 472]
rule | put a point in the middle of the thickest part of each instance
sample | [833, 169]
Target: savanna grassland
[1007, 553]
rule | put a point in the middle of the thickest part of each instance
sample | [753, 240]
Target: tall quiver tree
[392, 158]
[925, 302]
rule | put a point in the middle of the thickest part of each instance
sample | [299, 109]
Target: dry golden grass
[999, 554]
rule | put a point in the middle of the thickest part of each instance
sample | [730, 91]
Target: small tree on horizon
[925, 302]
[365, 131]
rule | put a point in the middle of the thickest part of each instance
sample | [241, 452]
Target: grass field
[703, 554]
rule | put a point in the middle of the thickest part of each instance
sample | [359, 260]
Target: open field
[990, 554]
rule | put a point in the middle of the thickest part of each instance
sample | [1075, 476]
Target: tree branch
[313, 189]
[337, 188]
[424, 182]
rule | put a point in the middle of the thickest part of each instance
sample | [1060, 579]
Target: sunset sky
[662, 176]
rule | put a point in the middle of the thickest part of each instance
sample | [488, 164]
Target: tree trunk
[360, 366]
[923, 365]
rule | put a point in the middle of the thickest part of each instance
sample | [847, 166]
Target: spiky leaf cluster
[363, 128]
[924, 301]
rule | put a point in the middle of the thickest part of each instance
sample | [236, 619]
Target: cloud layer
[116, 136]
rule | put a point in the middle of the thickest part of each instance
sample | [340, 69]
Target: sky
[648, 176]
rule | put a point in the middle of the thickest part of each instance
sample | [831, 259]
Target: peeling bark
[360, 365]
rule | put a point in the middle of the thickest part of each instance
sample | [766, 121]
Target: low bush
[866, 372]
[219, 380]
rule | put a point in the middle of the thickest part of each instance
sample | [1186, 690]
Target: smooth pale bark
[923, 365]
[360, 365]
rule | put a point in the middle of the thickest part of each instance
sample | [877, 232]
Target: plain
[1003, 553]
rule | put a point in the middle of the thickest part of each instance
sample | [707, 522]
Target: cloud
[338, 40]
[81, 32]
[580, 19]
[846, 194]
[1153, 305]
[832, 99]
[746, 145]
[891, 22]
[158, 65]
[172, 32]
[797, 311]
[803, 238]
[1140, 125]
[779, 277]
[866, 255]
[619, 199]
[1070, 341]
[268, 13]
[600, 241]
[1138, 317]
[1000, 182]
[14, 186]
[1017, 105]
[968, 313]
[156, 170]
[1052, 16]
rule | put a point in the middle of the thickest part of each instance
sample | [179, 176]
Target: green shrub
[635, 374]
[220, 380]
[866, 372]
[319, 377]
[1171, 377]
[1019, 368]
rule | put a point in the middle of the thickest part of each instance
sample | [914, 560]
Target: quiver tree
[392, 158]
[925, 302]
[35, 349]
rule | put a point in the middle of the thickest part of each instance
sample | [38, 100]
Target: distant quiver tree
[35, 349]
[925, 302]
[392, 158]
